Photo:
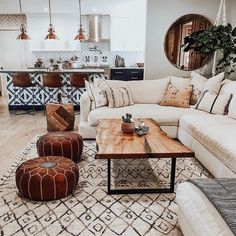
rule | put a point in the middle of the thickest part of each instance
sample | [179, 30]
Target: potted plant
[217, 38]
[127, 125]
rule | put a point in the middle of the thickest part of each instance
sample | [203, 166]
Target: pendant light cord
[21, 14]
[80, 17]
[50, 14]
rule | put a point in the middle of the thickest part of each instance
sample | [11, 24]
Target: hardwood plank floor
[16, 131]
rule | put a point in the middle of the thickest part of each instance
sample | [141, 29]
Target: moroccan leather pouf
[69, 145]
[47, 178]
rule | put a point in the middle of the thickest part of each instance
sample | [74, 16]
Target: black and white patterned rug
[90, 211]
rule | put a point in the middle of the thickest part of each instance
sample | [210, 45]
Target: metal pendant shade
[80, 36]
[23, 35]
[51, 31]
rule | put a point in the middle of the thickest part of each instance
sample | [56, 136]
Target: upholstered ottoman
[69, 145]
[47, 178]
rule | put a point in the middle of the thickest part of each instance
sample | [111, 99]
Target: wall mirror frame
[182, 27]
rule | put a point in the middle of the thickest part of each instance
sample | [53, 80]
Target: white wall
[160, 15]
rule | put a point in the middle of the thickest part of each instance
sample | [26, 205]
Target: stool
[77, 81]
[68, 145]
[47, 178]
[23, 81]
[51, 81]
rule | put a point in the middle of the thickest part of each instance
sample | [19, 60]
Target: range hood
[95, 29]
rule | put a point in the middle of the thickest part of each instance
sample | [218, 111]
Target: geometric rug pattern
[90, 210]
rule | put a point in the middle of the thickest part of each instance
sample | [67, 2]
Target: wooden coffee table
[113, 144]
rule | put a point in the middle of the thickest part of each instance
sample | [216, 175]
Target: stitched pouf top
[47, 178]
[69, 145]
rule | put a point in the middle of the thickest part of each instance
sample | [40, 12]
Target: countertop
[43, 71]
[127, 68]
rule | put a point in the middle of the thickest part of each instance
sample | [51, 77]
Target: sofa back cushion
[179, 82]
[142, 91]
[148, 91]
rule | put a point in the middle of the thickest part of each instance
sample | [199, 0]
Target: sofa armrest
[85, 106]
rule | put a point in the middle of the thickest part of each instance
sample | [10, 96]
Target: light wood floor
[16, 131]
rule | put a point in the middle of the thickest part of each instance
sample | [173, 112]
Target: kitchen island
[36, 97]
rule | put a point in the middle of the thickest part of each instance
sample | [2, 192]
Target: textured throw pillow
[118, 97]
[198, 82]
[97, 95]
[177, 97]
[232, 107]
[213, 84]
[213, 103]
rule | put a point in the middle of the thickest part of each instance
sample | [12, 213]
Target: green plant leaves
[222, 38]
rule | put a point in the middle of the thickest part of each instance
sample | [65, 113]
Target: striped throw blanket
[222, 194]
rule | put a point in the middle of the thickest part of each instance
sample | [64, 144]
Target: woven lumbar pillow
[97, 95]
[213, 103]
[118, 97]
[177, 97]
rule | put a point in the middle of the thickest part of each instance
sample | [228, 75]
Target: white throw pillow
[119, 97]
[232, 107]
[213, 84]
[148, 91]
[198, 82]
[228, 87]
[97, 95]
[213, 103]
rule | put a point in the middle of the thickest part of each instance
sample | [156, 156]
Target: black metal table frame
[142, 191]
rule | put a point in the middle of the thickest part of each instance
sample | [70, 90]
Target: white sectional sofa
[211, 137]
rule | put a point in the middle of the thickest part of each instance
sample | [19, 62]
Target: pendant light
[51, 31]
[23, 35]
[80, 36]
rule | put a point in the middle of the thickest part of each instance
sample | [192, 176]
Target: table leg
[109, 176]
[172, 175]
[142, 191]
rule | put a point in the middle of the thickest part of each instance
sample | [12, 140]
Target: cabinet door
[119, 34]
[117, 74]
[65, 27]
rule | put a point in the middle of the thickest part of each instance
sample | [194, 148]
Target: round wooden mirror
[174, 40]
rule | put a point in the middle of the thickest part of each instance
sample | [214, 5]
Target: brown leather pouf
[69, 145]
[47, 178]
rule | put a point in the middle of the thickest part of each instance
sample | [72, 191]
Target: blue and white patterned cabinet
[37, 96]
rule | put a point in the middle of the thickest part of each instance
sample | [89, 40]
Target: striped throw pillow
[118, 97]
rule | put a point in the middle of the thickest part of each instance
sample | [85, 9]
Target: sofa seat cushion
[165, 116]
[217, 133]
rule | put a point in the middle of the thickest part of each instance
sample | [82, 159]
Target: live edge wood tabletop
[113, 144]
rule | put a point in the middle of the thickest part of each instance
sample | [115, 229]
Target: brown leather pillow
[177, 97]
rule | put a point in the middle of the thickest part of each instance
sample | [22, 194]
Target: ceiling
[61, 6]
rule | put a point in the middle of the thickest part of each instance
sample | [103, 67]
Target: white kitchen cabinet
[128, 29]
[65, 27]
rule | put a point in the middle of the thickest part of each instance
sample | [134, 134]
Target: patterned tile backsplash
[85, 56]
